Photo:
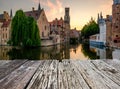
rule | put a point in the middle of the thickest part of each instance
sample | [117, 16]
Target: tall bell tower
[67, 16]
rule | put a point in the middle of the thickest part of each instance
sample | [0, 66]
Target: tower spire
[39, 7]
[101, 15]
[98, 18]
[11, 15]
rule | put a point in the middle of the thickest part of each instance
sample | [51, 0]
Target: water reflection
[59, 52]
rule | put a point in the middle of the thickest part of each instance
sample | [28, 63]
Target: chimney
[33, 9]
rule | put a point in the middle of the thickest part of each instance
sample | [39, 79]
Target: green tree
[89, 29]
[25, 31]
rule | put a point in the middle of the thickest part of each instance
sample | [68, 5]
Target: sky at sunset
[80, 10]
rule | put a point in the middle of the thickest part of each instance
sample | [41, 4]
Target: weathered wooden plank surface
[93, 77]
[52, 74]
[6, 67]
[45, 77]
[69, 77]
[19, 78]
[115, 63]
[108, 70]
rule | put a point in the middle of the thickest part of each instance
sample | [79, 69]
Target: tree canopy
[89, 29]
[25, 31]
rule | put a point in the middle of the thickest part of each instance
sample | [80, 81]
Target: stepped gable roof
[57, 22]
[35, 14]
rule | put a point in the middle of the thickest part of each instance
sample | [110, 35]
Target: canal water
[59, 52]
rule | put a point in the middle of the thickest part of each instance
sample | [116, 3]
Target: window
[45, 27]
[3, 36]
[42, 34]
[116, 35]
[6, 36]
[115, 41]
[116, 26]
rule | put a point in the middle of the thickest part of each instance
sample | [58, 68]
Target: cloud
[54, 9]
[107, 7]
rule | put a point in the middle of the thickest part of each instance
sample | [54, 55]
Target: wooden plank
[109, 71]
[3, 62]
[19, 78]
[41, 77]
[53, 76]
[8, 66]
[115, 63]
[69, 77]
[74, 78]
[93, 77]
[62, 77]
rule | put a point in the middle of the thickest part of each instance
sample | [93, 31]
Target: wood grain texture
[52, 74]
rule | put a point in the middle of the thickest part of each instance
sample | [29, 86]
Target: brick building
[108, 30]
[5, 27]
[116, 23]
[62, 26]
[42, 22]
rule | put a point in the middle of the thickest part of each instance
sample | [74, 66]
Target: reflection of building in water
[103, 53]
[3, 53]
[55, 52]
[64, 51]
[100, 52]
[116, 54]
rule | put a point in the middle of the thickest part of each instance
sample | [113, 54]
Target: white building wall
[102, 27]
[116, 54]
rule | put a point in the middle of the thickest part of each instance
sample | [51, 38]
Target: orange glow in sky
[80, 10]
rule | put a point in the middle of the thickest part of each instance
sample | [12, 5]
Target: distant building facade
[102, 27]
[58, 27]
[42, 22]
[5, 28]
[67, 24]
[108, 30]
[100, 39]
[116, 23]
[62, 27]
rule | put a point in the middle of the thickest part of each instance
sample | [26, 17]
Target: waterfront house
[42, 22]
[116, 23]
[5, 28]
[100, 39]
[58, 27]
[62, 27]
[74, 36]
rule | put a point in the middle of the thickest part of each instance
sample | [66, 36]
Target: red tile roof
[57, 22]
[35, 14]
